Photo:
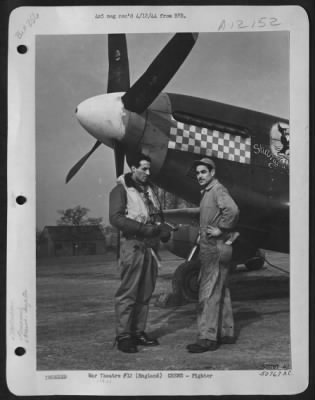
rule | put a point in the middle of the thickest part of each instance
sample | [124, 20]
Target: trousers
[138, 273]
[215, 315]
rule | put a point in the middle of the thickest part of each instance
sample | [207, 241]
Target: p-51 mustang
[251, 151]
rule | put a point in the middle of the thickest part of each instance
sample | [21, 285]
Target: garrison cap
[205, 161]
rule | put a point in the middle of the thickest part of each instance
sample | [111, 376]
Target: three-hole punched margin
[22, 49]
[20, 200]
[20, 351]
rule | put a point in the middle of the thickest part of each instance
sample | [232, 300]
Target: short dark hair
[135, 159]
[209, 167]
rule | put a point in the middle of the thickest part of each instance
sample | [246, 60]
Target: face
[204, 176]
[142, 172]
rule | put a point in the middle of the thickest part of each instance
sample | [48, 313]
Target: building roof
[78, 233]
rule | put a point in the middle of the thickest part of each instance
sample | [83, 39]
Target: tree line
[78, 215]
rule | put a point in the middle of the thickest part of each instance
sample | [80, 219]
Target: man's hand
[165, 234]
[149, 231]
[213, 231]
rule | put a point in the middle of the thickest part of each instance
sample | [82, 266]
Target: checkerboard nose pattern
[209, 142]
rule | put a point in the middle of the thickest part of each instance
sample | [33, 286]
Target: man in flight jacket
[134, 209]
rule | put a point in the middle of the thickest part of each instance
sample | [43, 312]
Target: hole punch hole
[21, 200]
[22, 49]
[20, 351]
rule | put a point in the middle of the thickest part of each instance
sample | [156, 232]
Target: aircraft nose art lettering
[104, 117]
[210, 142]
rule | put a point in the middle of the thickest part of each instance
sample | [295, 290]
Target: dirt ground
[76, 323]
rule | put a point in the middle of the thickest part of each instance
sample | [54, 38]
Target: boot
[142, 339]
[126, 344]
[202, 345]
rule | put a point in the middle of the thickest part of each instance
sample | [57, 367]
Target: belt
[226, 237]
[148, 242]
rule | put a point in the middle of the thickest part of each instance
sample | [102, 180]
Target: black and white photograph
[167, 251]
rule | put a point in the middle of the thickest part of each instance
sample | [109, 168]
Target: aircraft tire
[185, 281]
[257, 262]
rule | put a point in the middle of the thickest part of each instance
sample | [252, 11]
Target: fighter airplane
[251, 151]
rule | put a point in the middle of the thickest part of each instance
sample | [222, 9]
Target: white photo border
[25, 24]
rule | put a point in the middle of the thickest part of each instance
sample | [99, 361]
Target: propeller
[139, 96]
[118, 81]
[162, 69]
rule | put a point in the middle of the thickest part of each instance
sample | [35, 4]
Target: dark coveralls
[138, 267]
[218, 209]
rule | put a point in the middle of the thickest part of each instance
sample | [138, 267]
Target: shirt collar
[209, 186]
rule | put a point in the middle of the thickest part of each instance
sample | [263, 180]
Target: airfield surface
[76, 322]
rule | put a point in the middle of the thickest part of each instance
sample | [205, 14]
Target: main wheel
[255, 263]
[185, 280]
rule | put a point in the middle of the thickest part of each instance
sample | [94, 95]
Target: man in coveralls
[218, 216]
[134, 209]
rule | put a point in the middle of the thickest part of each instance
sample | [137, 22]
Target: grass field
[76, 324]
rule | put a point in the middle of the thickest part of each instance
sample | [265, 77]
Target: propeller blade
[79, 164]
[118, 69]
[159, 73]
[118, 81]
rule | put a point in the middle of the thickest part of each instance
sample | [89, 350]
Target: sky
[246, 69]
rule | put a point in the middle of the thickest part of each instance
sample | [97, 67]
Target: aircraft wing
[179, 216]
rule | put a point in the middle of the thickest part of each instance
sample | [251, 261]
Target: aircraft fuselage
[251, 161]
